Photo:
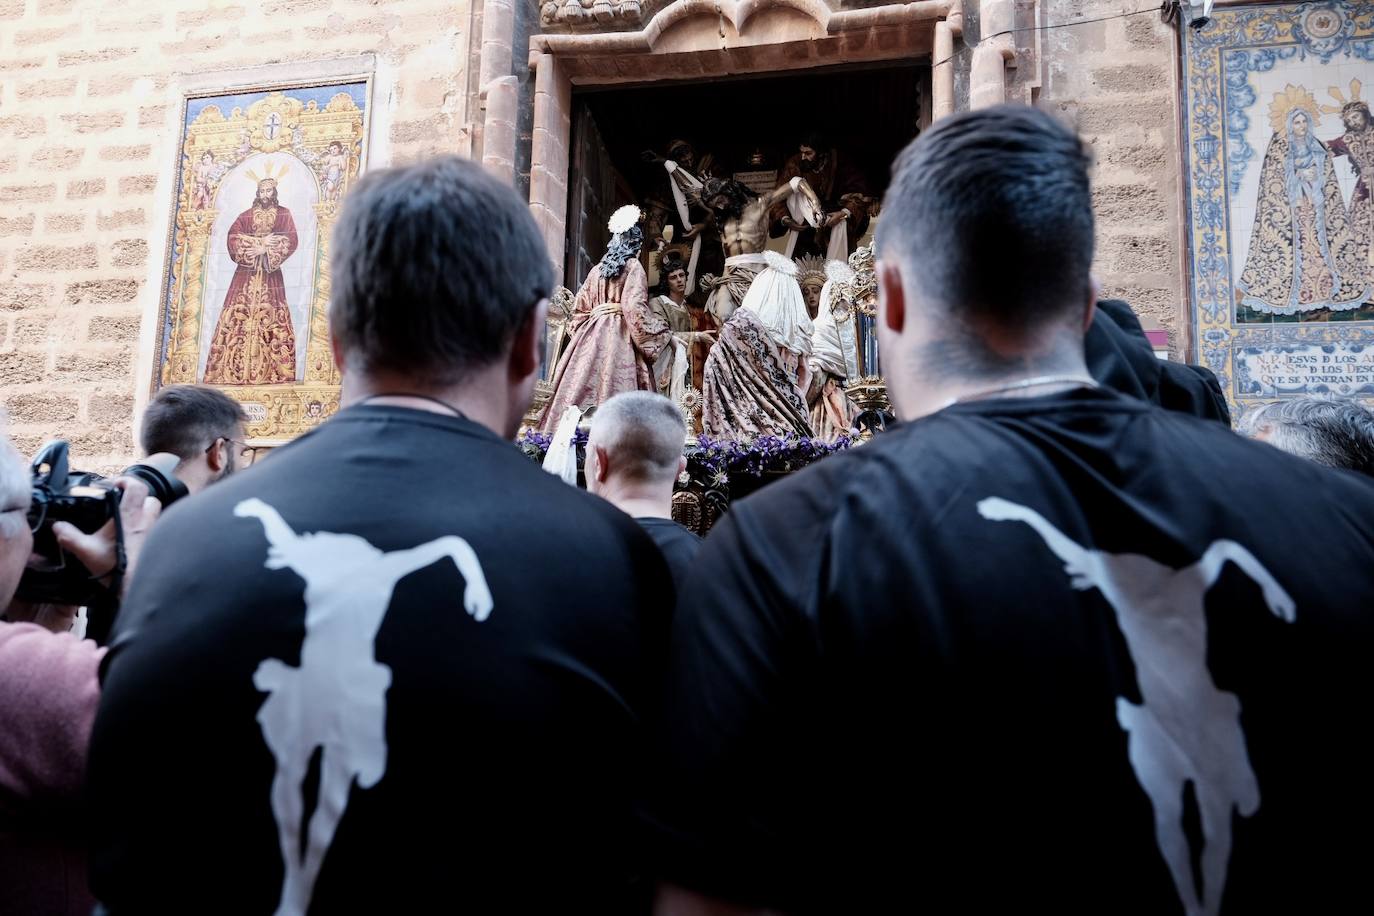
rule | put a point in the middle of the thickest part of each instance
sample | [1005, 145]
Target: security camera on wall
[1199, 12]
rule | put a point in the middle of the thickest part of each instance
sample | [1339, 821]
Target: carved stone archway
[630, 42]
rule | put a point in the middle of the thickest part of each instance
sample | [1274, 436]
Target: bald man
[634, 454]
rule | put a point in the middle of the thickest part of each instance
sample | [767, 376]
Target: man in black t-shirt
[1042, 647]
[634, 456]
[397, 668]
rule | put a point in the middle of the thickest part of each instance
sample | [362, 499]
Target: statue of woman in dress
[615, 335]
[1303, 254]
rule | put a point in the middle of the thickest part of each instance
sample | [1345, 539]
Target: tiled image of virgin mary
[1304, 259]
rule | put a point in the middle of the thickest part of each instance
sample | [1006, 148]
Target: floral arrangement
[714, 461]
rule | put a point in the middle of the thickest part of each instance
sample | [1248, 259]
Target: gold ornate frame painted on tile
[276, 412]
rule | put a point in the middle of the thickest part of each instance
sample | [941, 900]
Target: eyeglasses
[246, 451]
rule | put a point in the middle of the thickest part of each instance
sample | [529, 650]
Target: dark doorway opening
[746, 124]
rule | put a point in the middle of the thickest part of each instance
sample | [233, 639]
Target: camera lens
[156, 473]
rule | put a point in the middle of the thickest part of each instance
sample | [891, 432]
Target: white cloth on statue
[678, 176]
[838, 249]
[776, 298]
[561, 458]
[826, 352]
[670, 369]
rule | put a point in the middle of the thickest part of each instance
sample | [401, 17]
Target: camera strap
[115, 574]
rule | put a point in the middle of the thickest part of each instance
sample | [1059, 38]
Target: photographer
[200, 425]
[48, 697]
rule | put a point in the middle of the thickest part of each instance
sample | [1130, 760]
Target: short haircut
[643, 432]
[434, 267]
[186, 419]
[1335, 432]
[989, 214]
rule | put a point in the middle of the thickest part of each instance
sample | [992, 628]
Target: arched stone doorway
[628, 43]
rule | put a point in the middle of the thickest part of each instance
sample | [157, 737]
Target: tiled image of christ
[261, 274]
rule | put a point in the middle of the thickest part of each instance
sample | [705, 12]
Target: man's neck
[479, 398]
[678, 298]
[640, 500]
[941, 376]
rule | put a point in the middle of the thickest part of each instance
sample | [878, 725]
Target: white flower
[623, 219]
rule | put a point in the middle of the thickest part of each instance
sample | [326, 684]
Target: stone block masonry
[89, 104]
[1115, 81]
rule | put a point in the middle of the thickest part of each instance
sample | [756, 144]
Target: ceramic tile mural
[1279, 153]
[247, 285]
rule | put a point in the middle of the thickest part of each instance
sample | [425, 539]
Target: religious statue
[811, 275]
[832, 412]
[615, 336]
[686, 178]
[743, 220]
[843, 193]
[254, 342]
[1304, 256]
[756, 375]
[680, 366]
[1357, 144]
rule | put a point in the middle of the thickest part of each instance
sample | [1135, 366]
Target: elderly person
[48, 697]
[634, 456]
[1335, 432]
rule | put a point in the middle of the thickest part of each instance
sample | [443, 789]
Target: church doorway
[746, 128]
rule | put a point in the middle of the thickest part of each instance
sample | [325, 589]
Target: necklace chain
[1035, 382]
[419, 397]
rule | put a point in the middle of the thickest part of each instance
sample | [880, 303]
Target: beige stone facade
[91, 96]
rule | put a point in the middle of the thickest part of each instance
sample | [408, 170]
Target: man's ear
[1094, 293]
[602, 469]
[891, 297]
[217, 455]
[335, 349]
[529, 339]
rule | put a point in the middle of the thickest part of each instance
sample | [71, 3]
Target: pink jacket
[48, 697]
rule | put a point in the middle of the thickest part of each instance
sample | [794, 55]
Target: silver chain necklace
[1036, 382]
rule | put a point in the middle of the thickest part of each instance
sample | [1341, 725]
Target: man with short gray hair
[634, 454]
[1335, 432]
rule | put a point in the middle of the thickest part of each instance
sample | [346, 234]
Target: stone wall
[90, 102]
[1117, 81]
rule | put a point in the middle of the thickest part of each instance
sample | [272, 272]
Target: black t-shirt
[402, 604]
[963, 667]
[678, 545]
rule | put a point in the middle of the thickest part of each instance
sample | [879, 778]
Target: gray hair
[644, 433]
[1331, 431]
[14, 475]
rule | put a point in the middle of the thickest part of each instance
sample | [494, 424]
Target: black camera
[88, 502]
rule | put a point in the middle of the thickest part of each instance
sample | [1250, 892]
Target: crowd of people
[1058, 639]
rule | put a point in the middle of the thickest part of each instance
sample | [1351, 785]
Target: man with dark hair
[398, 668]
[843, 193]
[202, 426]
[1042, 646]
[634, 456]
[1357, 145]
[1335, 432]
[742, 217]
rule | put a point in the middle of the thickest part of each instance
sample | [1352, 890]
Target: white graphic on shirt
[336, 699]
[1185, 729]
